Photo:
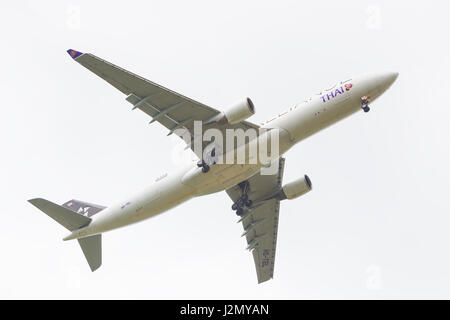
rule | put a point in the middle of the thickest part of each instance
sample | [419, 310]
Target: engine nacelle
[296, 188]
[238, 111]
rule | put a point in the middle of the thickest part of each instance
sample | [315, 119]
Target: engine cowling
[296, 188]
[239, 111]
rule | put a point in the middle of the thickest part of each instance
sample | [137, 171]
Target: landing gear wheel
[234, 206]
[365, 103]
[202, 164]
[240, 211]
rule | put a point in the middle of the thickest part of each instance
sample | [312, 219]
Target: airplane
[255, 195]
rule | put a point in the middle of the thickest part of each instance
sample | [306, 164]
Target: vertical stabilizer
[73, 215]
[92, 249]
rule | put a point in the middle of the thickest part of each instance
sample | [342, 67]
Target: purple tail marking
[74, 54]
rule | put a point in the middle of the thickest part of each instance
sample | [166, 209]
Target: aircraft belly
[154, 200]
[218, 178]
[232, 176]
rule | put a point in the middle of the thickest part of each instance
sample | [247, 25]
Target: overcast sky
[376, 223]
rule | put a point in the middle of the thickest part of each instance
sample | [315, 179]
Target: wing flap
[260, 222]
[130, 83]
[155, 100]
[263, 238]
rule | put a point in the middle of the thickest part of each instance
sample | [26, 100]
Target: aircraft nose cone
[378, 83]
[387, 79]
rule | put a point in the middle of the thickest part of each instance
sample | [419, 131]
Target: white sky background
[376, 223]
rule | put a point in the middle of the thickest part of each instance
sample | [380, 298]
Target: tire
[240, 211]
[234, 206]
[366, 109]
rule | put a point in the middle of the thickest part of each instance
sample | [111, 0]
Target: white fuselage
[294, 125]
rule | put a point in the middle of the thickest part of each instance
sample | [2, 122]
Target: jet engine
[236, 112]
[296, 188]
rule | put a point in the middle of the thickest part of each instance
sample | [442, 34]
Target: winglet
[74, 54]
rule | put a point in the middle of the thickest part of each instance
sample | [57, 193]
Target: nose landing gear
[365, 103]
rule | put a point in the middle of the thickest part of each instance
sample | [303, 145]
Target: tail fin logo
[83, 211]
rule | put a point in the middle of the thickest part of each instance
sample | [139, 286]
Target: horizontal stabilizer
[92, 249]
[65, 217]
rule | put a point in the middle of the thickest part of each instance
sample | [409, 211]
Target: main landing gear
[243, 201]
[365, 103]
[202, 164]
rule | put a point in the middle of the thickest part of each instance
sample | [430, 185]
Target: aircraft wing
[171, 109]
[260, 222]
